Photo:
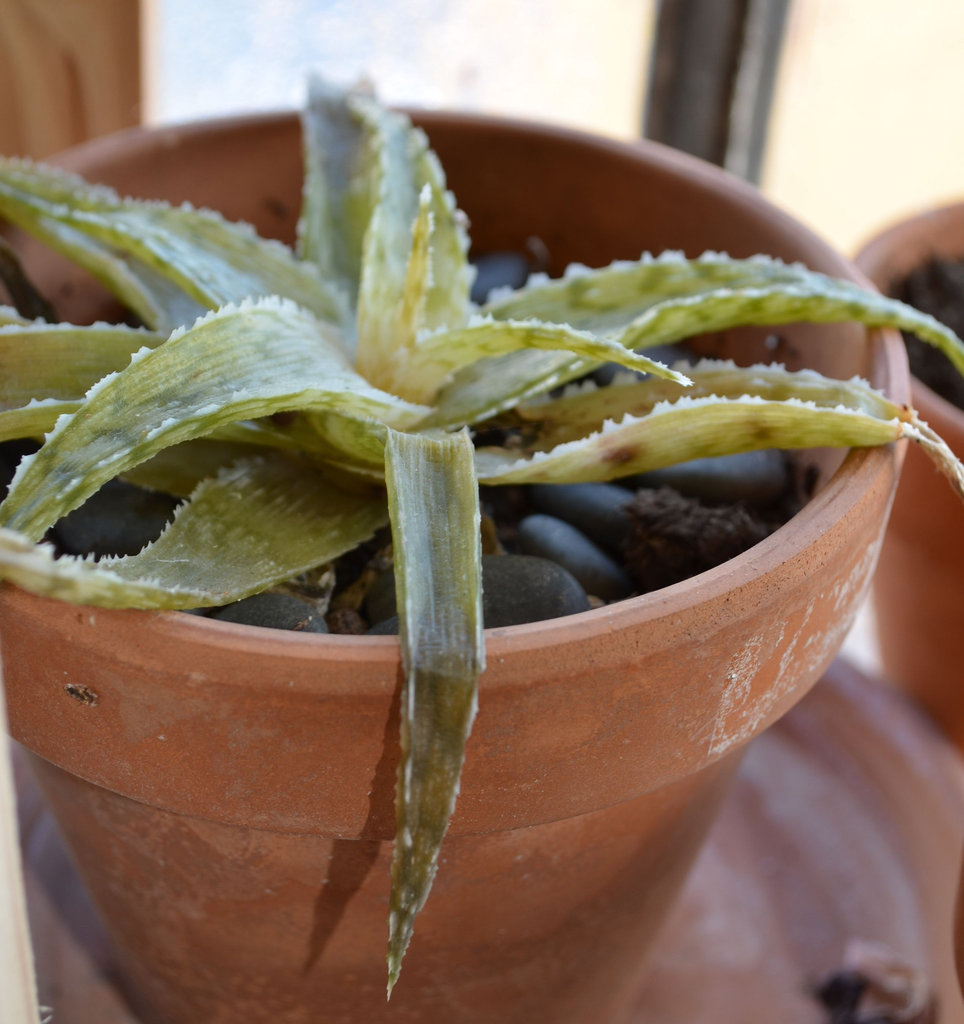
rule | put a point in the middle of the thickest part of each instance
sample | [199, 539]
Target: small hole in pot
[83, 694]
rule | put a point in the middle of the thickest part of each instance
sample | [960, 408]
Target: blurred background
[864, 94]
[863, 124]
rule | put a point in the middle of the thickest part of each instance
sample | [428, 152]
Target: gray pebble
[758, 477]
[596, 510]
[120, 519]
[275, 611]
[515, 589]
[498, 270]
[549, 537]
[522, 588]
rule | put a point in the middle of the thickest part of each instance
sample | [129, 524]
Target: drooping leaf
[166, 263]
[238, 363]
[276, 517]
[433, 500]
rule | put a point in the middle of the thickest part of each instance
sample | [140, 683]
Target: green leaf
[42, 360]
[276, 517]
[336, 199]
[235, 364]
[34, 419]
[613, 432]
[664, 300]
[179, 469]
[440, 354]
[584, 409]
[414, 252]
[47, 368]
[433, 502]
[166, 263]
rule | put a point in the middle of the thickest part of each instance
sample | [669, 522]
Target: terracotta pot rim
[854, 475]
[913, 237]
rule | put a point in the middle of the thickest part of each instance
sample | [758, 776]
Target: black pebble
[11, 452]
[275, 611]
[522, 588]
[596, 509]
[515, 589]
[757, 477]
[120, 519]
[552, 538]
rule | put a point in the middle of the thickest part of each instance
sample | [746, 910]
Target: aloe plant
[366, 337]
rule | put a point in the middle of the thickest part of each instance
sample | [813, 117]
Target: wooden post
[712, 72]
[69, 70]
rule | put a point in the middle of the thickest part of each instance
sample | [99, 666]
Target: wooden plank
[18, 993]
[69, 70]
[712, 71]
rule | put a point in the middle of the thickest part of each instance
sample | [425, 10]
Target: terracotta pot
[919, 585]
[227, 791]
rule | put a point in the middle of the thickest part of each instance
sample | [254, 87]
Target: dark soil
[674, 537]
[936, 287]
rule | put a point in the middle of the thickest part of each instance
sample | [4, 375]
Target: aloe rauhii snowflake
[367, 339]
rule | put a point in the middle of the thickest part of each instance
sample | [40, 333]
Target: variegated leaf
[35, 418]
[676, 299]
[40, 360]
[440, 354]
[583, 409]
[689, 429]
[153, 255]
[337, 197]
[425, 272]
[238, 363]
[276, 516]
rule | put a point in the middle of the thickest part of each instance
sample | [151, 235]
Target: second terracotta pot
[228, 791]
[919, 587]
